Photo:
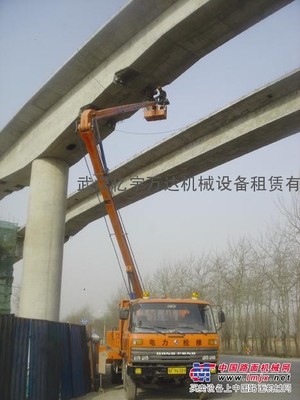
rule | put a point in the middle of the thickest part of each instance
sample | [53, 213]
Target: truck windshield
[172, 317]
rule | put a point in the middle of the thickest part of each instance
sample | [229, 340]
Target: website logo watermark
[202, 372]
[241, 377]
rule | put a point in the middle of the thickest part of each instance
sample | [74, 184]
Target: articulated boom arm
[85, 129]
[90, 115]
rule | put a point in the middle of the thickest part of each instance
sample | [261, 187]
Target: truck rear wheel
[130, 387]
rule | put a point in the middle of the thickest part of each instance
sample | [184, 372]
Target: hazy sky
[38, 37]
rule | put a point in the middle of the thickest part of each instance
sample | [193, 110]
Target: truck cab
[163, 338]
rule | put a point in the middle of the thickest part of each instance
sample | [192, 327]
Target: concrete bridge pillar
[44, 240]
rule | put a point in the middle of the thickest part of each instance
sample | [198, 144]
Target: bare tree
[162, 283]
[256, 282]
[291, 214]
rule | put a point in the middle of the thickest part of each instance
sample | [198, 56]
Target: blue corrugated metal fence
[42, 360]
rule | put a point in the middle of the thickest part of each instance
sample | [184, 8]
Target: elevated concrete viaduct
[267, 115]
[146, 44]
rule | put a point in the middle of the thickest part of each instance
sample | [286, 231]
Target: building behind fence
[8, 237]
[42, 360]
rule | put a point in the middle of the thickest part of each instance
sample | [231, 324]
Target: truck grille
[172, 355]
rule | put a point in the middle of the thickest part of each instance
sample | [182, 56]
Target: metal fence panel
[80, 363]
[67, 377]
[6, 354]
[19, 372]
[45, 360]
[42, 360]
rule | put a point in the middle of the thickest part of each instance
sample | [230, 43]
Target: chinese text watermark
[201, 183]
